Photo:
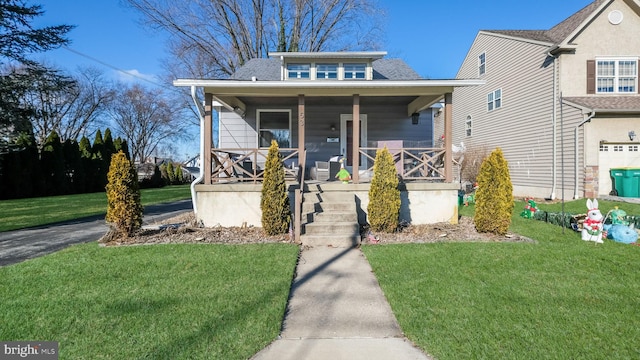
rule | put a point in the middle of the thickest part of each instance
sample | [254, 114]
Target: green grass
[22, 213]
[561, 298]
[156, 302]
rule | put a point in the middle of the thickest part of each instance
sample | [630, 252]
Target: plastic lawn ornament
[343, 174]
[617, 217]
[592, 226]
[621, 233]
[530, 208]
[470, 198]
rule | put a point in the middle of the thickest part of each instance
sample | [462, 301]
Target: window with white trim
[617, 148]
[617, 76]
[327, 71]
[468, 125]
[482, 60]
[633, 148]
[604, 148]
[274, 125]
[355, 71]
[494, 100]
[298, 71]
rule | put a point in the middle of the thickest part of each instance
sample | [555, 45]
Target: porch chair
[322, 170]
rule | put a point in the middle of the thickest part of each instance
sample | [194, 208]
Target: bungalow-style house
[307, 103]
[562, 103]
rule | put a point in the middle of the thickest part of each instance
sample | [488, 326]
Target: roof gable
[561, 32]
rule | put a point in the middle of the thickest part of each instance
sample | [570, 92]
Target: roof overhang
[427, 92]
[373, 55]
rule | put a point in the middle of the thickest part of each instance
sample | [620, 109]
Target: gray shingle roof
[393, 69]
[558, 33]
[629, 103]
[262, 69]
[269, 69]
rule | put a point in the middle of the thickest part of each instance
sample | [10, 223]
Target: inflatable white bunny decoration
[592, 226]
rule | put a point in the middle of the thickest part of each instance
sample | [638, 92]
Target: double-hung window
[617, 76]
[298, 71]
[327, 71]
[482, 64]
[355, 71]
[468, 125]
[494, 100]
[274, 125]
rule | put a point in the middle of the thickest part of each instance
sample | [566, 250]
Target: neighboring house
[307, 103]
[562, 103]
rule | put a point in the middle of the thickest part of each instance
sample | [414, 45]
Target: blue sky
[431, 36]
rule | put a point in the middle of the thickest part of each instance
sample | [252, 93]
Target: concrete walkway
[19, 245]
[338, 311]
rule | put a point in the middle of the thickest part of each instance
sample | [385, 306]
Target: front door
[346, 137]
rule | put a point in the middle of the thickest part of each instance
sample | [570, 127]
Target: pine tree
[171, 174]
[52, 163]
[274, 203]
[383, 210]
[494, 197]
[124, 210]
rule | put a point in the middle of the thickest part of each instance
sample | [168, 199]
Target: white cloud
[133, 76]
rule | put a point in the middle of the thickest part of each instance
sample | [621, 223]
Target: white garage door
[616, 155]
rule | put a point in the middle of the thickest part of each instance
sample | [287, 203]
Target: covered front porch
[396, 114]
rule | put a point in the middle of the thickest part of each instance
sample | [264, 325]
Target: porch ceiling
[328, 100]
[424, 92]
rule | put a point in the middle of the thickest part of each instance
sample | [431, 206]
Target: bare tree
[145, 119]
[212, 38]
[69, 105]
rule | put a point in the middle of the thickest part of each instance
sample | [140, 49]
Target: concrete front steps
[329, 218]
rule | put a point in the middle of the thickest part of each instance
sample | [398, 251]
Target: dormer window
[298, 71]
[327, 71]
[355, 71]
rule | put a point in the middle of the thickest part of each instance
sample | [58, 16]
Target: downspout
[201, 175]
[575, 134]
[554, 131]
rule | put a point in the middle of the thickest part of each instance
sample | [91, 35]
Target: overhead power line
[117, 68]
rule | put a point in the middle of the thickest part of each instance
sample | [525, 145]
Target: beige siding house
[563, 103]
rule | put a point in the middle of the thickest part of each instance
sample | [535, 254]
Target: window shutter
[591, 76]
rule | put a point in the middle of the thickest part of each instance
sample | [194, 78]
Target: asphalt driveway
[19, 245]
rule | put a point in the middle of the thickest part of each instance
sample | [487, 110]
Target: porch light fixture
[332, 127]
[415, 117]
[632, 135]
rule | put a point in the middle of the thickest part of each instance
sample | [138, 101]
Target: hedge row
[58, 168]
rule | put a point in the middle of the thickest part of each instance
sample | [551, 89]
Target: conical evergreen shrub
[124, 210]
[274, 203]
[383, 210]
[494, 197]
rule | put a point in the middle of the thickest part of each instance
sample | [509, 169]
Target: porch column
[208, 137]
[448, 134]
[301, 121]
[355, 161]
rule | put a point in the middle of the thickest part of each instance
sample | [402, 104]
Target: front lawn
[561, 298]
[156, 302]
[22, 213]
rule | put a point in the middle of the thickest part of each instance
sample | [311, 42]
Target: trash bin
[626, 181]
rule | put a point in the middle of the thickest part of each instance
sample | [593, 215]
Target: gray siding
[522, 127]
[384, 122]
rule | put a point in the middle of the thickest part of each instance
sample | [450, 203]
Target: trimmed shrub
[124, 210]
[274, 202]
[384, 196]
[494, 197]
